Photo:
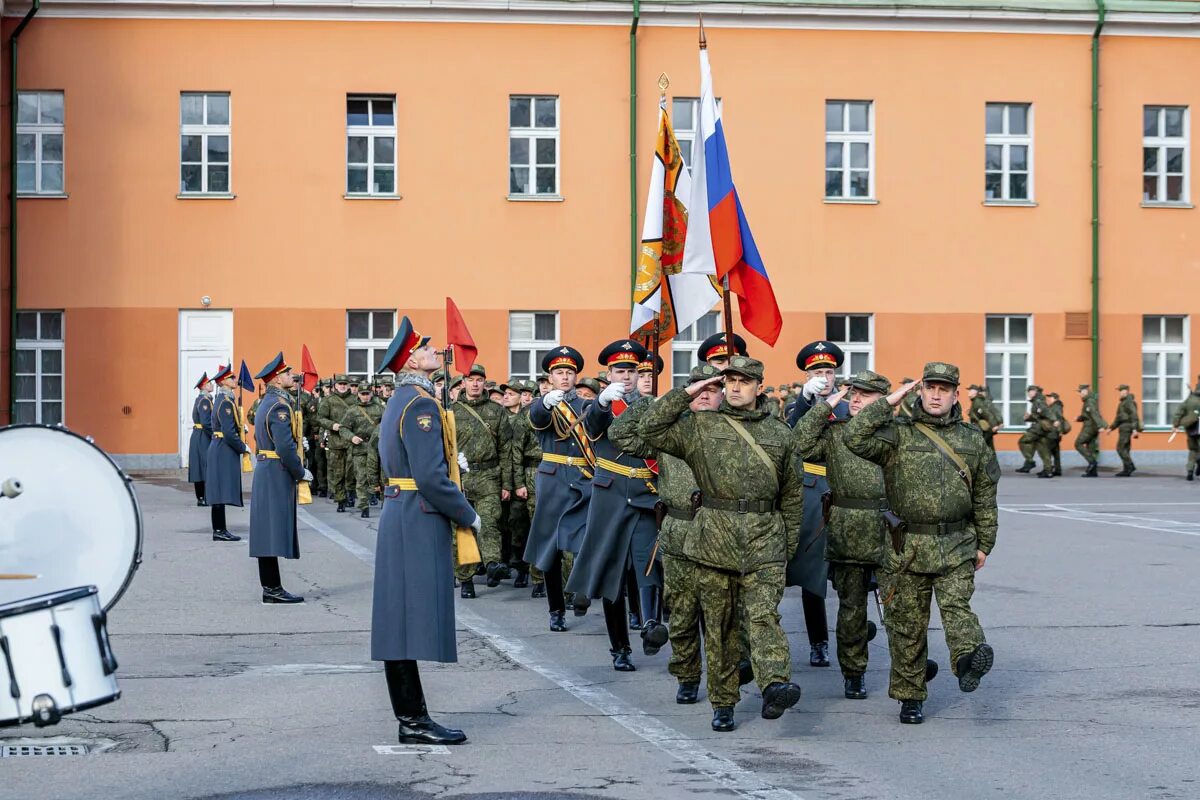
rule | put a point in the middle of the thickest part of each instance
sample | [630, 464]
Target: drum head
[76, 522]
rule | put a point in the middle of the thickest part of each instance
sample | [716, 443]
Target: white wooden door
[205, 343]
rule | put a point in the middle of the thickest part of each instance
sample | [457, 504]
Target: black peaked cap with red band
[273, 368]
[403, 344]
[203, 380]
[563, 356]
[820, 354]
[715, 347]
[623, 352]
[651, 363]
[223, 372]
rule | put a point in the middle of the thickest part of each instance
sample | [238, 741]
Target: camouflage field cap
[1052, 394]
[744, 365]
[385, 380]
[768, 389]
[1124, 386]
[702, 372]
[1084, 386]
[1033, 387]
[529, 386]
[602, 376]
[940, 372]
[591, 383]
[513, 383]
[478, 369]
[870, 381]
[366, 387]
[438, 375]
[341, 377]
[456, 381]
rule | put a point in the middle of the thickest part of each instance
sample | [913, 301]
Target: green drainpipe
[1102, 12]
[633, 176]
[12, 212]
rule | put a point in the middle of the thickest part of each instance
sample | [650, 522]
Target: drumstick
[17, 577]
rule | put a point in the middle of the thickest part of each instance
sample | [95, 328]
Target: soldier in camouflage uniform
[1061, 427]
[482, 437]
[524, 455]
[747, 524]
[1187, 419]
[1038, 437]
[308, 407]
[330, 412]
[941, 480]
[1086, 443]
[855, 544]
[359, 424]
[1128, 425]
[253, 412]
[511, 403]
[984, 414]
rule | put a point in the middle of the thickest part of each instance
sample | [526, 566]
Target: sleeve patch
[283, 415]
[425, 422]
[227, 411]
[993, 469]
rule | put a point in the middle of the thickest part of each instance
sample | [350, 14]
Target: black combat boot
[745, 672]
[723, 719]
[374, 499]
[1056, 472]
[778, 698]
[1045, 474]
[911, 713]
[277, 594]
[204, 503]
[1124, 473]
[635, 621]
[467, 592]
[558, 623]
[408, 704]
[1189, 475]
[973, 666]
[1026, 467]
[856, 688]
[365, 513]
[621, 662]
[522, 580]
[1092, 471]
[687, 692]
[539, 590]
[225, 536]
[496, 572]
[654, 633]
[341, 506]
[818, 655]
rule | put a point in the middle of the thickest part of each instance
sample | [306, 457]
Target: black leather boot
[635, 621]
[467, 592]
[1189, 475]
[539, 590]
[1026, 467]
[778, 698]
[973, 666]
[1093, 470]
[497, 572]
[856, 688]
[558, 623]
[654, 633]
[1124, 473]
[1045, 474]
[277, 594]
[818, 655]
[408, 704]
[341, 506]
[687, 692]
[621, 662]
[723, 719]
[366, 513]
[522, 580]
[225, 536]
[911, 713]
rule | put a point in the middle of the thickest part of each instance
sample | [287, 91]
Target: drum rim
[48, 600]
[128, 481]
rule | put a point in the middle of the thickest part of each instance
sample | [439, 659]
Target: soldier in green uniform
[1062, 427]
[984, 414]
[941, 481]
[748, 522]
[524, 455]
[359, 423]
[482, 437]
[330, 412]
[1038, 437]
[1128, 425]
[1091, 423]
[511, 403]
[312, 429]
[1187, 419]
[253, 412]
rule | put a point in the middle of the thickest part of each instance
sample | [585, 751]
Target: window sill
[372, 197]
[42, 196]
[851, 201]
[205, 196]
[535, 198]
[1153, 204]
[1011, 203]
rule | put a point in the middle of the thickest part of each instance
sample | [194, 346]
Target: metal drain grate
[15, 750]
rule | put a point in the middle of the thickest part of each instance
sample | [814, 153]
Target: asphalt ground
[1089, 600]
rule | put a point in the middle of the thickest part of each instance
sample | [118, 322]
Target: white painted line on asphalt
[1123, 520]
[412, 749]
[308, 669]
[721, 770]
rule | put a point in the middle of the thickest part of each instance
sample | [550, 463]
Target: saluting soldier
[1091, 423]
[1187, 419]
[330, 412]
[412, 616]
[1128, 425]
[223, 469]
[277, 470]
[200, 439]
[941, 481]
[358, 424]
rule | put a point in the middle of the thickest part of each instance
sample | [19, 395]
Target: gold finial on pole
[703, 41]
[663, 83]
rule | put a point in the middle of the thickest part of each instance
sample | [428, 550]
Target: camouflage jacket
[983, 414]
[1039, 417]
[361, 420]
[524, 452]
[330, 410]
[727, 468]
[508, 467]
[1059, 417]
[483, 433]
[924, 487]
[855, 535]
[1127, 415]
[1187, 416]
[308, 406]
[253, 412]
[1090, 416]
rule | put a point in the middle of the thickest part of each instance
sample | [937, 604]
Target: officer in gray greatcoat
[277, 468]
[201, 438]
[412, 617]
[223, 469]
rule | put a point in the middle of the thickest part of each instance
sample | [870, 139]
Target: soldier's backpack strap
[947, 452]
[758, 451]
[474, 414]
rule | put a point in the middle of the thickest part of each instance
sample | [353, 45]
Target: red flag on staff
[309, 368]
[458, 335]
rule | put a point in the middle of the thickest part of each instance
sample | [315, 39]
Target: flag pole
[726, 304]
[663, 83]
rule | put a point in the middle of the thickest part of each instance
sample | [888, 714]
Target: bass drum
[75, 523]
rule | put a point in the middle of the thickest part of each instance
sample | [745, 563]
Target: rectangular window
[849, 149]
[1165, 154]
[855, 334]
[371, 146]
[204, 138]
[1008, 152]
[368, 334]
[1008, 363]
[38, 389]
[532, 146]
[687, 342]
[531, 334]
[685, 121]
[41, 140]
[1164, 368]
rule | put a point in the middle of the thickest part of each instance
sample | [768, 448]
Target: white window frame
[371, 132]
[532, 346]
[1012, 407]
[205, 130]
[1006, 141]
[1163, 407]
[1160, 143]
[375, 346]
[686, 136]
[40, 346]
[532, 133]
[846, 139]
[849, 347]
[687, 343]
[39, 129]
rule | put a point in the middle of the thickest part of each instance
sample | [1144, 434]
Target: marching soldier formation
[685, 514]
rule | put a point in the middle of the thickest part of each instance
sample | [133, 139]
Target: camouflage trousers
[366, 477]
[681, 595]
[1036, 441]
[482, 489]
[341, 473]
[1193, 443]
[520, 514]
[314, 459]
[850, 581]
[1087, 444]
[760, 592]
[1124, 446]
[908, 596]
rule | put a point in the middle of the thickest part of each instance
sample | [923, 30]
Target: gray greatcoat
[201, 438]
[413, 612]
[563, 491]
[223, 475]
[807, 567]
[273, 495]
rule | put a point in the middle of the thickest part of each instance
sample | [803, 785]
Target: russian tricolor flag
[720, 243]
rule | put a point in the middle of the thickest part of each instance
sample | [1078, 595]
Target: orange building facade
[242, 179]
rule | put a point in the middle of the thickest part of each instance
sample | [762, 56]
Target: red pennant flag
[308, 368]
[458, 335]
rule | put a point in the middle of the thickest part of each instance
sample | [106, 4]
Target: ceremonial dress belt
[197, 426]
[397, 485]
[680, 513]
[868, 504]
[488, 464]
[629, 472]
[741, 505]
[939, 529]
[218, 434]
[570, 461]
[814, 469]
[263, 455]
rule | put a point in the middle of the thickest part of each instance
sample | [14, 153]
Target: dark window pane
[993, 364]
[1174, 335]
[1150, 389]
[26, 324]
[191, 109]
[26, 147]
[833, 183]
[518, 362]
[1173, 123]
[383, 112]
[356, 360]
[25, 412]
[190, 178]
[26, 177]
[218, 149]
[518, 180]
[356, 180]
[834, 113]
[858, 117]
[218, 179]
[833, 155]
[1151, 329]
[25, 386]
[545, 180]
[860, 329]
[858, 155]
[356, 112]
[1150, 121]
[356, 149]
[52, 147]
[538, 357]
[52, 107]
[52, 413]
[546, 112]
[385, 181]
[1018, 158]
[189, 148]
[995, 118]
[1018, 120]
[994, 330]
[519, 114]
[51, 361]
[1150, 188]
[27, 107]
[518, 151]
[52, 387]
[1174, 188]
[993, 157]
[51, 328]
[1175, 159]
[1149, 159]
[357, 325]
[377, 360]
[860, 184]
[52, 177]
[543, 327]
[26, 361]
[835, 328]
[385, 150]
[992, 182]
[218, 109]
[1018, 186]
[381, 324]
[547, 151]
[683, 114]
[1018, 364]
[1018, 330]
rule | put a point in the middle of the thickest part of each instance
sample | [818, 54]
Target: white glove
[614, 391]
[462, 463]
[305, 440]
[553, 398]
[815, 386]
[476, 524]
[307, 476]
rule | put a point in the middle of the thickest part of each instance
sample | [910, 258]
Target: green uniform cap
[744, 365]
[702, 372]
[1124, 386]
[940, 372]
[341, 377]
[1033, 387]
[478, 369]
[870, 381]
[457, 381]
[592, 384]
[438, 375]
[1083, 386]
